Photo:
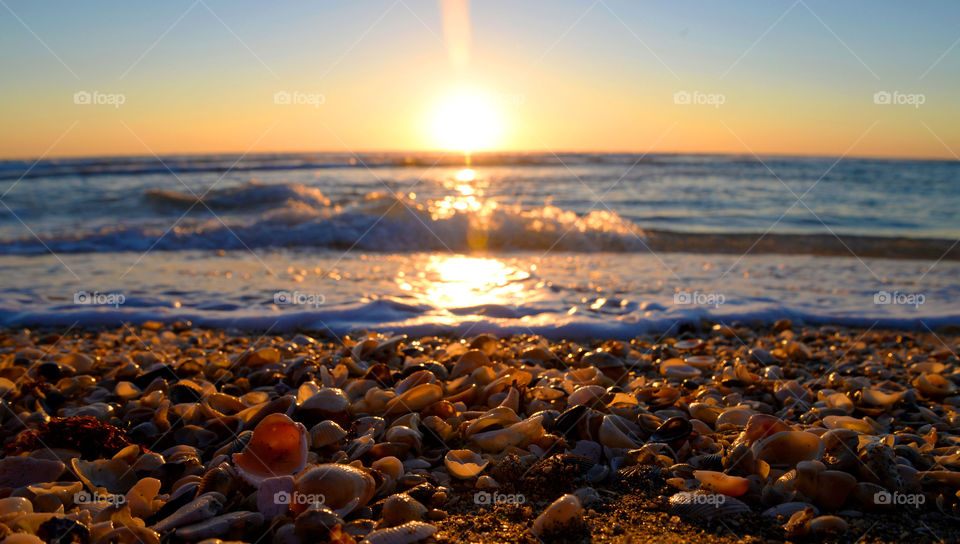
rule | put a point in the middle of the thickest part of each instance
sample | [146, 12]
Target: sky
[226, 76]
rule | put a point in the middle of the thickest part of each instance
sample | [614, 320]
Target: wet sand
[623, 426]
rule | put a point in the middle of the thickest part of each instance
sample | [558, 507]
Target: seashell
[787, 448]
[587, 394]
[944, 477]
[799, 523]
[792, 390]
[702, 362]
[827, 525]
[732, 486]
[142, 498]
[408, 533]
[678, 369]
[405, 435]
[734, 417]
[605, 362]
[317, 524]
[13, 507]
[23, 471]
[501, 416]
[517, 435]
[203, 507]
[707, 413]
[112, 474]
[847, 422]
[934, 385]
[706, 506]
[344, 488]
[464, 464]
[469, 362]
[326, 433]
[278, 447]
[788, 509]
[269, 491]
[326, 403]
[562, 513]
[414, 399]
[359, 447]
[673, 432]
[401, 508]
[614, 433]
[761, 426]
[880, 398]
[21, 538]
[221, 525]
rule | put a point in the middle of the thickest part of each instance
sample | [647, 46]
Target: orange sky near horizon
[386, 91]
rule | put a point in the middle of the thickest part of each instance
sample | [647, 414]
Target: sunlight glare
[466, 121]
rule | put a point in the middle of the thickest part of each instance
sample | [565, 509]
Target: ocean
[573, 245]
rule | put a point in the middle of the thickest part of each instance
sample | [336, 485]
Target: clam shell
[326, 433]
[679, 369]
[414, 399]
[706, 506]
[199, 509]
[562, 512]
[517, 435]
[401, 508]
[787, 448]
[114, 475]
[614, 433]
[464, 464]
[23, 471]
[408, 533]
[344, 488]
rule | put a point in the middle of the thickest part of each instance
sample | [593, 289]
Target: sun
[466, 121]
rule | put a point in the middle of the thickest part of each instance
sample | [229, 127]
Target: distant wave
[180, 164]
[106, 166]
[295, 215]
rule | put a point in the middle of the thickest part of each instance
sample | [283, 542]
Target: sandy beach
[720, 434]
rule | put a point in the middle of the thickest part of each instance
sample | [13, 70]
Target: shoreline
[625, 426]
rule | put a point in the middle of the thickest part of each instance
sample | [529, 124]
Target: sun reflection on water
[460, 281]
